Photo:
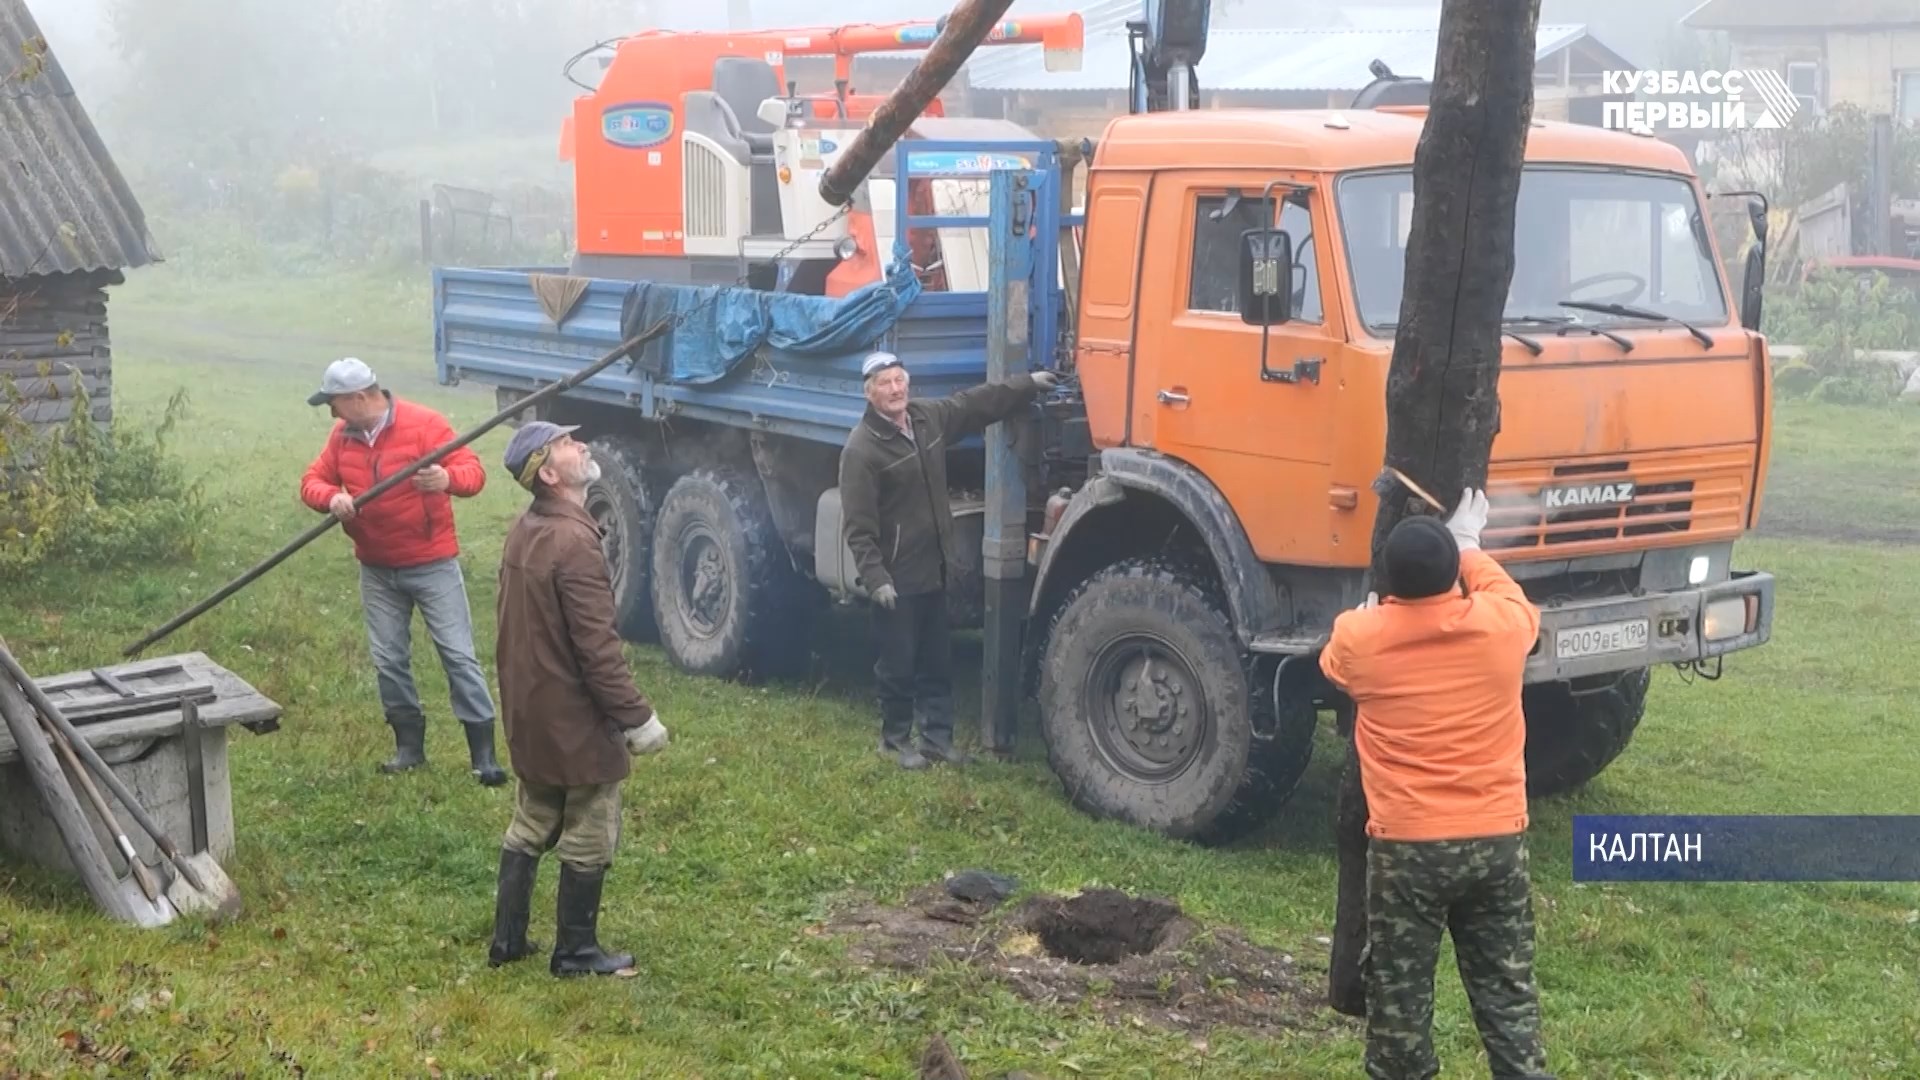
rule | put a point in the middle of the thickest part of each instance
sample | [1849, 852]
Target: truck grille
[1576, 508]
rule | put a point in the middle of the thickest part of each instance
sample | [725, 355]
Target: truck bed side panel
[489, 327]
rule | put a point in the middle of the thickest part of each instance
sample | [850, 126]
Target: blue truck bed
[490, 325]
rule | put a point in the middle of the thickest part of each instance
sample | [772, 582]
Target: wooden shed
[69, 230]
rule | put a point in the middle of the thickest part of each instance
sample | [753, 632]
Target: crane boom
[1167, 46]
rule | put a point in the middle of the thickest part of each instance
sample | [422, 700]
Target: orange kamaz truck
[1198, 495]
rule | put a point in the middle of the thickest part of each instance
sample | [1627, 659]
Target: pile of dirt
[1129, 957]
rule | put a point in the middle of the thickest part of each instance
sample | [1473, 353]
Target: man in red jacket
[409, 555]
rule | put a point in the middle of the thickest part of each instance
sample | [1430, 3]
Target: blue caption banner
[1708, 848]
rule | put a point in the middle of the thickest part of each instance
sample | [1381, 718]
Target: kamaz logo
[1562, 498]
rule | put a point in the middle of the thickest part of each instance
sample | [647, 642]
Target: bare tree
[1443, 404]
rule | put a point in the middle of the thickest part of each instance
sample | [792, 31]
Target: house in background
[69, 228]
[1832, 52]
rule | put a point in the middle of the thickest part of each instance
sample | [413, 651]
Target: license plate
[1601, 639]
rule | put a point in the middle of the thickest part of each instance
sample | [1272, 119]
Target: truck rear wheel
[623, 506]
[1149, 711]
[726, 598]
[1572, 738]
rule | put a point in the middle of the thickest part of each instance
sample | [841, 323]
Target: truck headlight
[1726, 618]
[1697, 570]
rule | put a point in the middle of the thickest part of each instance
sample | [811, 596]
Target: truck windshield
[1636, 240]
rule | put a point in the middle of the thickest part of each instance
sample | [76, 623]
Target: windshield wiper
[1564, 323]
[1626, 312]
[1533, 346]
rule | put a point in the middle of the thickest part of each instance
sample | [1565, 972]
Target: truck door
[1199, 392]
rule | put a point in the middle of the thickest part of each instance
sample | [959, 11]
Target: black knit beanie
[1422, 559]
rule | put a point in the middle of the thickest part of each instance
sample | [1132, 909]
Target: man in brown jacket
[899, 526]
[572, 713]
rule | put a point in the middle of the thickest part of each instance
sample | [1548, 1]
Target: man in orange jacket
[409, 555]
[1435, 674]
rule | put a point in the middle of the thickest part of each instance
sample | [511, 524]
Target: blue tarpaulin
[726, 331]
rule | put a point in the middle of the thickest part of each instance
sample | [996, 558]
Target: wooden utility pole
[1443, 404]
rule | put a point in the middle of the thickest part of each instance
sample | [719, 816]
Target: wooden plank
[237, 703]
[171, 698]
[111, 681]
[145, 671]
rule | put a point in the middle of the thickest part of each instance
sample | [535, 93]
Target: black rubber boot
[936, 734]
[896, 735]
[409, 740]
[576, 946]
[511, 902]
[480, 750]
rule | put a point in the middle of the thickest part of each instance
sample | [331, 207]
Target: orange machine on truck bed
[681, 175]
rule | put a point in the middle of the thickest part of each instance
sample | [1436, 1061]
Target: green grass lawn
[369, 898]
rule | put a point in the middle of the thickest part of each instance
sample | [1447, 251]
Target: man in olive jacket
[572, 713]
[899, 526]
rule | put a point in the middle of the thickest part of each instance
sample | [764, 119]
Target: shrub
[1836, 317]
[81, 496]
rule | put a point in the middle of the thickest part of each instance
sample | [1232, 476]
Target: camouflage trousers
[1478, 890]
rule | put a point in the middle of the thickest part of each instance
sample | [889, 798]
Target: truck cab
[1630, 454]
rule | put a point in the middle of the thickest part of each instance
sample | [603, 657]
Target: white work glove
[1372, 601]
[886, 596]
[1468, 519]
[648, 738]
[1046, 380]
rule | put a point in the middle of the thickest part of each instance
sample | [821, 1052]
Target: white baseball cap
[877, 363]
[344, 376]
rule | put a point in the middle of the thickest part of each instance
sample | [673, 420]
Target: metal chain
[741, 281]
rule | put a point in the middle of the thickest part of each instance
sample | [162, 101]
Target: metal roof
[1257, 60]
[64, 207]
[1801, 14]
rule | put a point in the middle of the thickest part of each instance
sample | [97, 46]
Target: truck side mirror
[1753, 290]
[1754, 287]
[1266, 277]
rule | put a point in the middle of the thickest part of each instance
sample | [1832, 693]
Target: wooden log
[58, 412]
[1443, 404]
[55, 321]
[61, 804]
[13, 336]
[12, 367]
[59, 387]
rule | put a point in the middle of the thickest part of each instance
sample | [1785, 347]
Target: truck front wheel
[623, 507]
[1149, 713]
[725, 595]
[1572, 737]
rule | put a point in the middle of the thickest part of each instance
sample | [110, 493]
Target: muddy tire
[726, 598]
[1572, 738]
[623, 506]
[1183, 754]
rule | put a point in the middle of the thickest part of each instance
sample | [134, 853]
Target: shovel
[141, 875]
[202, 886]
[122, 899]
